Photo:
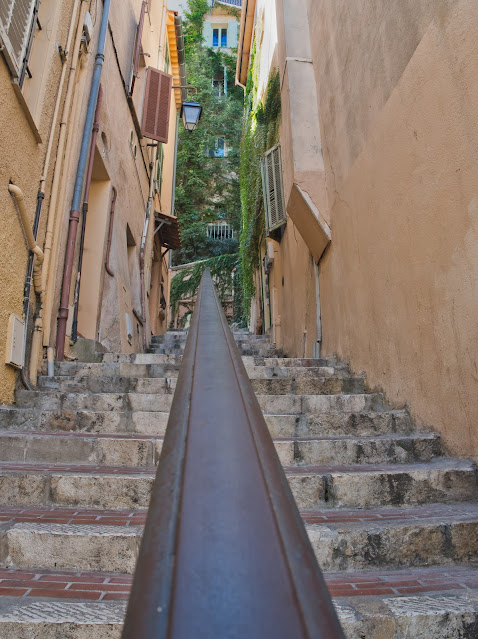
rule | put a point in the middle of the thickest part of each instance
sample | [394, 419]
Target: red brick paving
[104, 586]
[461, 511]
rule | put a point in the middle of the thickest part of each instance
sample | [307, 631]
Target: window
[219, 150]
[17, 23]
[219, 34]
[274, 201]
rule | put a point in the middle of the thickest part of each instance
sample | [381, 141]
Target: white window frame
[15, 63]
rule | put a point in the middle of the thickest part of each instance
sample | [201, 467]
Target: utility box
[15, 341]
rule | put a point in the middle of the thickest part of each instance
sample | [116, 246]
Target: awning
[168, 230]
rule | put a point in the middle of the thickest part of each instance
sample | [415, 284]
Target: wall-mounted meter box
[15, 341]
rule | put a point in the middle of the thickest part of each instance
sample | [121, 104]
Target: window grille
[220, 231]
[273, 189]
[16, 21]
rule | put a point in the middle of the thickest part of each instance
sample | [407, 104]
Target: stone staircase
[393, 521]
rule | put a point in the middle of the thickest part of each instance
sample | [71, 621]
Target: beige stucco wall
[398, 100]
[21, 161]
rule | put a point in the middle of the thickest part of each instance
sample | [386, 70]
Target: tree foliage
[207, 188]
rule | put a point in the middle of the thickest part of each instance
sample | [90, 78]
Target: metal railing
[225, 554]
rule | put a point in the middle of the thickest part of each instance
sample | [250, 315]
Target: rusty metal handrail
[225, 554]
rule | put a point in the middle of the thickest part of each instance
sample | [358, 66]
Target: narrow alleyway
[393, 522]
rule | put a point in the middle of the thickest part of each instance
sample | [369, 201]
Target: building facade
[377, 260]
[91, 172]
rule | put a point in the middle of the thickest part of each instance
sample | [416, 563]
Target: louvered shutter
[15, 23]
[274, 201]
[157, 105]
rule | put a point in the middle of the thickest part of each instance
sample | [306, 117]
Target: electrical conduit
[75, 212]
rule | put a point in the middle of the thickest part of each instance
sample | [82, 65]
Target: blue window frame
[215, 37]
[223, 37]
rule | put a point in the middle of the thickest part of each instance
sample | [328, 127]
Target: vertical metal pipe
[110, 233]
[86, 197]
[80, 174]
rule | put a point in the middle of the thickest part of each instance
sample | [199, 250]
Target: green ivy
[185, 284]
[260, 132]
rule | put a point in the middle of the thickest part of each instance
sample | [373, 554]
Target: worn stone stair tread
[144, 449]
[440, 609]
[94, 542]
[441, 463]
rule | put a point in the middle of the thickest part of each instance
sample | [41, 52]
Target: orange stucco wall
[398, 103]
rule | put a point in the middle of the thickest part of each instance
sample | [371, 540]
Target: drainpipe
[178, 26]
[144, 238]
[110, 234]
[75, 213]
[53, 217]
[36, 261]
[86, 197]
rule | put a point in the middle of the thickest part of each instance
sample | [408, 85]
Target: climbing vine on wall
[260, 132]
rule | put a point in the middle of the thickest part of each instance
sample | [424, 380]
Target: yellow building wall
[21, 162]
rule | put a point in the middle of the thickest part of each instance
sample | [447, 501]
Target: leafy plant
[260, 132]
[207, 188]
[185, 283]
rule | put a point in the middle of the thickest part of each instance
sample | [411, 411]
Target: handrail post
[225, 553]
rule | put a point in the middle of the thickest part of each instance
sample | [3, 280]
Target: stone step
[56, 400]
[354, 423]
[413, 604]
[309, 386]
[313, 404]
[368, 486]
[166, 385]
[80, 448]
[144, 450]
[154, 423]
[68, 485]
[351, 540]
[94, 384]
[282, 404]
[436, 534]
[115, 369]
[143, 422]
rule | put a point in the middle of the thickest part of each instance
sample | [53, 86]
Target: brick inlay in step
[403, 581]
[111, 586]
[65, 585]
[83, 469]
[342, 515]
[72, 516]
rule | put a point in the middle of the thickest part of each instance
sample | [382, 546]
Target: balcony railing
[225, 554]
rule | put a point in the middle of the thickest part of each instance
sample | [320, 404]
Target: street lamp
[191, 114]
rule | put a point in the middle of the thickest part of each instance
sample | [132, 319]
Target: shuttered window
[15, 24]
[274, 201]
[157, 105]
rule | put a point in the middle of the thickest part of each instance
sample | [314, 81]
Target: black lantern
[191, 114]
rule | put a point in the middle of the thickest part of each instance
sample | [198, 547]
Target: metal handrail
[225, 554]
